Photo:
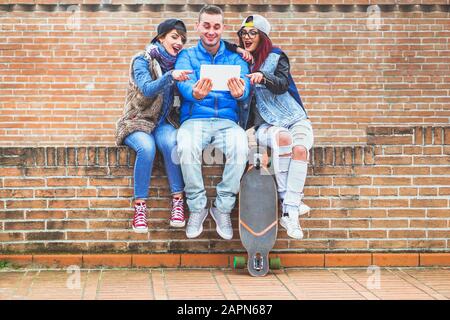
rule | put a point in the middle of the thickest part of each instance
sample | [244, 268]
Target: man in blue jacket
[211, 117]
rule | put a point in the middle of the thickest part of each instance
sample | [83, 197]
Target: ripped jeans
[290, 174]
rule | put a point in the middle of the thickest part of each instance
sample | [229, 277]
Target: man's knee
[189, 151]
[237, 145]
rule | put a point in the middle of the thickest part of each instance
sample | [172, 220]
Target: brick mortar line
[282, 251]
[209, 240]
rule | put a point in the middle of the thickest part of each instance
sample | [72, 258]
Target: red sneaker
[140, 218]
[177, 216]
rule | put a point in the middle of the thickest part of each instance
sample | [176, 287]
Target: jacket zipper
[216, 110]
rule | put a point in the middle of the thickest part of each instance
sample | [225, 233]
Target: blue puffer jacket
[217, 104]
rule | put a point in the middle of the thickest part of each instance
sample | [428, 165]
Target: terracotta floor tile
[58, 285]
[286, 284]
[158, 284]
[136, 284]
[9, 282]
[91, 285]
[194, 284]
[388, 286]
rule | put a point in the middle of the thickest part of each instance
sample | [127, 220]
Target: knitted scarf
[158, 52]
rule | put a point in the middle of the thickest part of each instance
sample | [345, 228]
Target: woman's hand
[246, 55]
[181, 75]
[256, 77]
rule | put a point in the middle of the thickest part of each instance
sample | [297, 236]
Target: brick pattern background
[376, 87]
[392, 194]
[63, 64]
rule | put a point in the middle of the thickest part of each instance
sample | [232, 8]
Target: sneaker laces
[177, 209]
[140, 216]
[225, 219]
[195, 219]
[293, 223]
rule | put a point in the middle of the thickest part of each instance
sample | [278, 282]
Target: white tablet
[219, 74]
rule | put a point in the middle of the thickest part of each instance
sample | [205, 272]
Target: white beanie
[259, 22]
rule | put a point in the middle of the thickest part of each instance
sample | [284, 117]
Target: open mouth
[176, 49]
[247, 44]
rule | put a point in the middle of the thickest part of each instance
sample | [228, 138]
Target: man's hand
[236, 86]
[255, 78]
[181, 75]
[202, 88]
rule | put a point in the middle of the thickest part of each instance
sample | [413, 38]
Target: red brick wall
[390, 195]
[63, 69]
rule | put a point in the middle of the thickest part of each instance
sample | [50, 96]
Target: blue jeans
[192, 138]
[163, 138]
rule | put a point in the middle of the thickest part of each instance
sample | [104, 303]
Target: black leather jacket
[277, 83]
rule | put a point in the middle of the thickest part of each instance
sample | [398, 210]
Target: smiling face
[210, 29]
[250, 38]
[173, 42]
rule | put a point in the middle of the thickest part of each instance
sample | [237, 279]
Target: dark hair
[181, 33]
[263, 50]
[210, 9]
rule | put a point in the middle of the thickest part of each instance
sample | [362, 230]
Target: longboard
[258, 220]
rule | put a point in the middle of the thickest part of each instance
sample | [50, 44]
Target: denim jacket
[277, 99]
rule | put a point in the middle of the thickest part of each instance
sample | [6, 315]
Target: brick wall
[374, 79]
[392, 194]
[63, 64]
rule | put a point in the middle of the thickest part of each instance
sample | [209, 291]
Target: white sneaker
[292, 226]
[195, 223]
[303, 209]
[223, 223]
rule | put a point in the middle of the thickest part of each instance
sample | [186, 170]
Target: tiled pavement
[332, 283]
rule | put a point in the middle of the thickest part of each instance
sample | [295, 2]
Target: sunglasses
[251, 34]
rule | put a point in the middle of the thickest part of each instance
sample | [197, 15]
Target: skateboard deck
[258, 218]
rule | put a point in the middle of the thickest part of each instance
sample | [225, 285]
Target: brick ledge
[225, 2]
[225, 260]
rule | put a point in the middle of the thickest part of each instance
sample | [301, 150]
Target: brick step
[389, 196]
[225, 260]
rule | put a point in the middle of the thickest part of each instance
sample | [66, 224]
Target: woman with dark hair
[281, 122]
[148, 121]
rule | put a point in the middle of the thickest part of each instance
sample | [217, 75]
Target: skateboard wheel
[239, 262]
[275, 263]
